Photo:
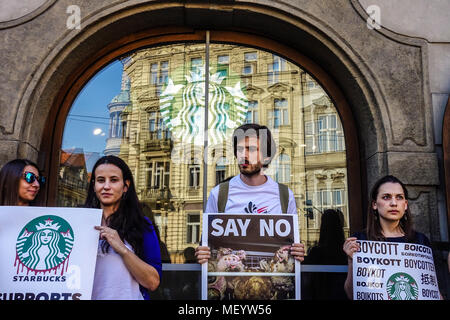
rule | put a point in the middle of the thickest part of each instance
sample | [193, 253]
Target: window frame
[54, 128]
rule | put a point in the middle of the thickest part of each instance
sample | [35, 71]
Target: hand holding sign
[113, 238]
[394, 271]
[298, 251]
[202, 254]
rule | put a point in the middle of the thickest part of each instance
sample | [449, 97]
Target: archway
[122, 31]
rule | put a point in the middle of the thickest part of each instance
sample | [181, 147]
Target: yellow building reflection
[156, 126]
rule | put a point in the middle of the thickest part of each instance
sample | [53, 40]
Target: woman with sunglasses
[20, 182]
[128, 258]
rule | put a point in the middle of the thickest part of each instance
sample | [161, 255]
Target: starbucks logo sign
[401, 286]
[182, 106]
[44, 244]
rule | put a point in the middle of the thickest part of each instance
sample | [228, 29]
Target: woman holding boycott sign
[129, 258]
[389, 219]
[20, 182]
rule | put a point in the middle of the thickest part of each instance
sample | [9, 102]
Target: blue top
[152, 253]
[419, 238]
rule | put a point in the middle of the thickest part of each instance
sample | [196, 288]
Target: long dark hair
[128, 220]
[374, 230]
[10, 176]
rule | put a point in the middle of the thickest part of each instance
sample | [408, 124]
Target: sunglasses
[30, 177]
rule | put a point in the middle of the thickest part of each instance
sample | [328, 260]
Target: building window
[115, 125]
[274, 69]
[330, 134]
[331, 199]
[124, 129]
[159, 73]
[158, 174]
[252, 112]
[223, 62]
[283, 168]
[156, 127]
[324, 135]
[193, 228]
[250, 60]
[220, 170]
[196, 63]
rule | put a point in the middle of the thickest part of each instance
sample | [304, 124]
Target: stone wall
[392, 78]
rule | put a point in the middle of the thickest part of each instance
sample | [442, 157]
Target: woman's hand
[202, 254]
[350, 247]
[113, 238]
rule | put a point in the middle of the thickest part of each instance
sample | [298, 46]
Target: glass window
[220, 170]
[279, 116]
[196, 63]
[283, 168]
[223, 65]
[159, 133]
[275, 68]
[193, 228]
[250, 60]
[252, 112]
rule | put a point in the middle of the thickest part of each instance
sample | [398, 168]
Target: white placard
[47, 253]
[394, 271]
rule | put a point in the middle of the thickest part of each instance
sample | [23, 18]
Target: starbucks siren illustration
[182, 107]
[401, 286]
[44, 244]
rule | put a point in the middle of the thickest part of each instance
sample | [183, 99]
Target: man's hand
[202, 254]
[298, 251]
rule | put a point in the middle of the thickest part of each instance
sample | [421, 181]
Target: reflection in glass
[148, 108]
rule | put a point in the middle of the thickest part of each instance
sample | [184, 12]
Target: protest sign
[250, 257]
[394, 271]
[47, 253]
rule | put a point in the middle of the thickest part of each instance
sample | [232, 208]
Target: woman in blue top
[128, 259]
[389, 219]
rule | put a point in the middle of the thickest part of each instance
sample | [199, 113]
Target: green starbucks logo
[182, 106]
[401, 286]
[44, 244]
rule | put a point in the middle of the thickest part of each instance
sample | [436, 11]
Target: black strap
[284, 197]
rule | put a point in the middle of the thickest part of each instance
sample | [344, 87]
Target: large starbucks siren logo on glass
[182, 106]
[401, 286]
[44, 244]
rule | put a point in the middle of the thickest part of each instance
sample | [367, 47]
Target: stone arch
[110, 31]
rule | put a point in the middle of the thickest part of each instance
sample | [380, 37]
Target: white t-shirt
[243, 198]
[112, 280]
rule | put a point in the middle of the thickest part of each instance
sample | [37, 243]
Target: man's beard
[249, 172]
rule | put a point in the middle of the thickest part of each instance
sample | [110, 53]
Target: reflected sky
[87, 124]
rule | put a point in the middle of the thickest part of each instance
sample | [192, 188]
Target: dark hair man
[251, 191]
